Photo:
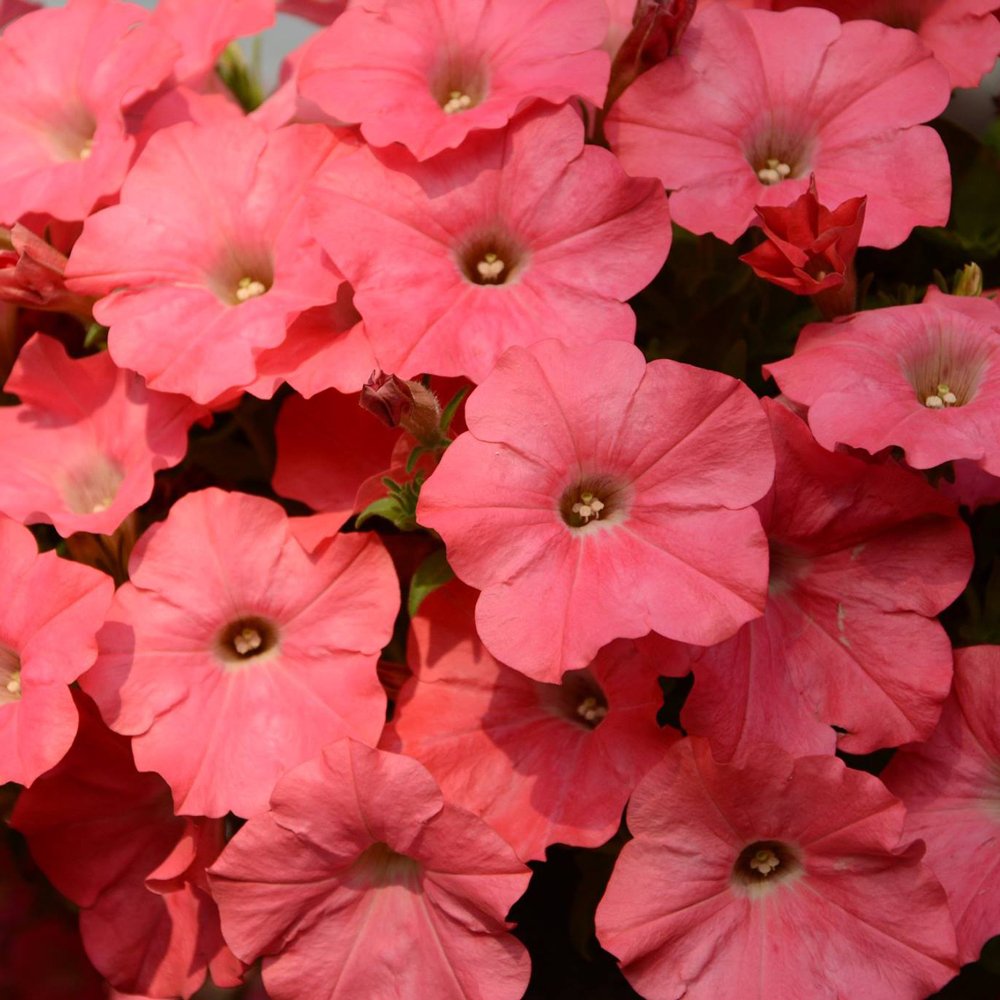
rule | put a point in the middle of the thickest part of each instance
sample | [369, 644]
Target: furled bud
[809, 249]
[31, 275]
[968, 281]
[401, 403]
[657, 27]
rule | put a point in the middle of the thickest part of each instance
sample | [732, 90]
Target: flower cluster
[509, 444]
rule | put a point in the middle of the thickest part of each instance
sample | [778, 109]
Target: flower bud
[657, 27]
[401, 403]
[968, 281]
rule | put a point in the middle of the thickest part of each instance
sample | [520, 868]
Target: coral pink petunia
[361, 881]
[327, 448]
[924, 378]
[755, 101]
[69, 75]
[319, 11]
[236, 650]
[426, 73]
[963, 34]
[50, 611]
[596, 497]
[539, 762]
[520, 235]
[862, 557]
[107, 838]
[198, 284]
[951, 788]
[772, 879]
[203, 30]
[81, 450]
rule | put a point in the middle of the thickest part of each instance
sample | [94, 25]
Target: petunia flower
[70, 74]
[237, 650]
[596, 497]
[427, 74]
[539, 762]
[194, 322]
[81, 450]
[50, 611]
[951, 788]
[924, 378]
[107, 838]
[774, 878]
[809, 249]
[520, 235]
[755, 102]
[964, 35]
[848, 638]
[362, 881]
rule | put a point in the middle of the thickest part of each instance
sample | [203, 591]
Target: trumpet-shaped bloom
[327, 448]
[539, 762]
[964, 35]
[925, 378]
[778, 877]
[596, 497]
[951, 788]
[237, 650]
[848, 637]
[426, 73]
[107, 838]
[520, 235]
[756, 101]
[361, 881]
[81, 450]
[50, 611]
[69, 76]
[197, 284]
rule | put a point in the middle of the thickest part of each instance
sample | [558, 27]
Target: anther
[457, 101]
[587, 507]
[249, 288]
[764, 861]
[490, 267]
[247, 641]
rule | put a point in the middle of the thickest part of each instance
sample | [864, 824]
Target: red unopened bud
[657, 27]
[388, 397]
[31, 275]
[810, 249]
[401, 403]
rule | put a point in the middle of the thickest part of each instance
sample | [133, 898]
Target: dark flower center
[246, 638]
[578, 698]
[593, 500]
[459, 83]
[10, 675]
[492, 258]
[947, 371]
[766, 862]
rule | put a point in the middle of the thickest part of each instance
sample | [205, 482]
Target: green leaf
[242, 78]
[448, 413]
[96, 337]
[432, 573]
[387, 507]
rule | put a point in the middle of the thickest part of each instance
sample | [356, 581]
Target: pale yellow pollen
[457, 101]
[941, 398]
[490, 267]
[247, 640]
[86, 149]
[13, 686]
[249, 288]
[764, 861]
[591, 709]
[775, 171]
[587, 507]
[101, 505]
